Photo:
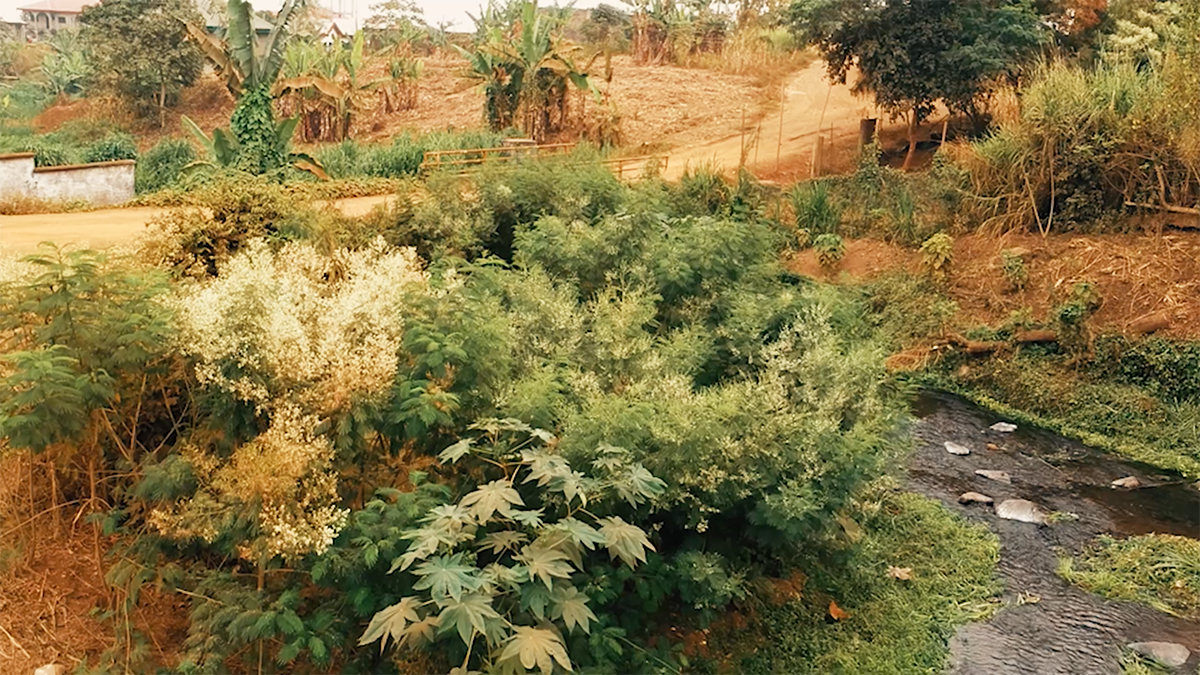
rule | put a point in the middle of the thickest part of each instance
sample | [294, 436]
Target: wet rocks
[1170, 654]
[974, 498]
[1021, 510]
[993, 447]
[1003, 427]
[1001, 476]
[956, 449]
[1128, 482]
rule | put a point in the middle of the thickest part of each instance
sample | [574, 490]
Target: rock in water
[1004, 427]
[1021, 510]
[974, 498]
[1170, 654]
[992, 446]
[956, 449]
[1001, 476]
[1129, 482]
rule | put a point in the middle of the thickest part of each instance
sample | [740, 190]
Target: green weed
[1159, 570]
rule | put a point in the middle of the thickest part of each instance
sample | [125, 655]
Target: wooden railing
[464, 160]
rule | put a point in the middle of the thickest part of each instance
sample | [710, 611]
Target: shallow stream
[1047, 626]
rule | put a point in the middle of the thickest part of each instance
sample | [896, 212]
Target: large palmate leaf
[394, 622]
[497, 496]
[625, 541]
[545, 466]
[571, 606]
[499, 542]
[545, 563]
[470, 614]
[446, 576]
[639, 485]
[536, 647]
[457, 451]
[580, 532]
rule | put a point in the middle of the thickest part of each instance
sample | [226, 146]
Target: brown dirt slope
[1137, 275]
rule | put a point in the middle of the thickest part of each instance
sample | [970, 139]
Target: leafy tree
[139, 49]
[912, 55]
[66, 68]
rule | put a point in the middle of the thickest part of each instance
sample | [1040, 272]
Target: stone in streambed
[1004, 427]
[974, 498]
[956, 449]
[1021, 510]
[1170, 654]
[1129, 482]
[992, 446]
[1000, 476]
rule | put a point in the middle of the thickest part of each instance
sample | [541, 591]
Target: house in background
[12, 25]
[47, 17]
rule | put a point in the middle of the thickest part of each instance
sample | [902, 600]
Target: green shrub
[937, 255]
[815, 211]
[112, 147]
[160, 166]
[1014, 270]
[830, 250]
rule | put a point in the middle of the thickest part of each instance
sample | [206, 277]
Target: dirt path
[105, 227]
[811, 106]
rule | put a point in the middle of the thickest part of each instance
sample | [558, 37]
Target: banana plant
[223, 149]
[238, 57]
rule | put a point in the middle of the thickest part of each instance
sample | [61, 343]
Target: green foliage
[894, 626]
[937, 254]
[401, 158]
[66, 69]
[912, 55]
[815, 211]
[1072, 315]
[112, 147]
[161, 166]
[139, 49]
[1013, 266]
[534, 543]
[830, 250]
[1159, 570]
[77, 332]
[525, 69]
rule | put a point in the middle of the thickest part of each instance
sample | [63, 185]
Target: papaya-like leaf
[536, 647]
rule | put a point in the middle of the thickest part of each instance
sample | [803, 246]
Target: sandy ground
[779, 145]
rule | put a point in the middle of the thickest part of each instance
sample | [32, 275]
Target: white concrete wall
[16, 173]
[99, 183]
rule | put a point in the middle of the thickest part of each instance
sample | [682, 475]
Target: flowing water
[1058, 629]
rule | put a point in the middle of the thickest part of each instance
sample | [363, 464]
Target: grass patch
[1159, 570]
[23, 205]
[1135, 664]
[894, 626]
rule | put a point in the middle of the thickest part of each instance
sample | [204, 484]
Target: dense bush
[112, 147]
[160, 166]
[309, 401]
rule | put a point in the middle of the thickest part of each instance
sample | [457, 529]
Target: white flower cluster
[299, 325]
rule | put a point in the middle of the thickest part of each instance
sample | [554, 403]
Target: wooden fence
[465, 160]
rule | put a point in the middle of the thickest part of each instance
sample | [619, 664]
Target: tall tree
[912, 54]
[139, 49]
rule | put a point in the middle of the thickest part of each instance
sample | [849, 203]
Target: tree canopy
[139, 49]
[912, 55]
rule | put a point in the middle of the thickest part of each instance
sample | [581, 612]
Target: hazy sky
[435, 10]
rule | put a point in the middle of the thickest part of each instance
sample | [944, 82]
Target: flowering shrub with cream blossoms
[297, 325]
[300, 336]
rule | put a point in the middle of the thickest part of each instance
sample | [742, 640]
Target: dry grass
[22, 205]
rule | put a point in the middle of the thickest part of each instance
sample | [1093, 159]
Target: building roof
[12, 16]
[58, 6]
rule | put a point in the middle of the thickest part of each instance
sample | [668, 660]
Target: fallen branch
[1170, 208]
[973, 346]
[1150, 323]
